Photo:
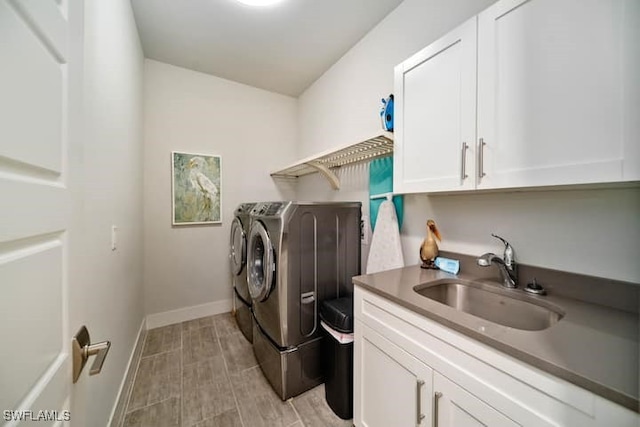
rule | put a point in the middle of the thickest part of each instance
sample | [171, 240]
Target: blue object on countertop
[447, 264]
[381, 182]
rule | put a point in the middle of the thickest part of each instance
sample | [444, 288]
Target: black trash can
[337, 319]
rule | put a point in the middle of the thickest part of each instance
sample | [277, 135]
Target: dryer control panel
[267, 209]
[244, 208]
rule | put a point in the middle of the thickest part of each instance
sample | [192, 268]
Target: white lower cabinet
[412, 371]
[394, 387]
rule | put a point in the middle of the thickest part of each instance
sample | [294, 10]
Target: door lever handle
[82, 349]
[100, 350]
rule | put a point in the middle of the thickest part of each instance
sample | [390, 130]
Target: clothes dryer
[299, 254]
[238, 260]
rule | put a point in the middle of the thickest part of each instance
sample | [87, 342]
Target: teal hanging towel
[381, 182]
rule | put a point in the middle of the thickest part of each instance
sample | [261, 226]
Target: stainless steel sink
[503, 306]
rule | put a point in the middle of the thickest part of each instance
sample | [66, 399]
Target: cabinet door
[391, 387]
[553, 82]
[455, 407]
[435, 115]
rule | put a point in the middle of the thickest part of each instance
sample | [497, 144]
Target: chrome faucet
[506, 264]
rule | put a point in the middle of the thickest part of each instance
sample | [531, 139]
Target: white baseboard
[165, 318]
[126, 384]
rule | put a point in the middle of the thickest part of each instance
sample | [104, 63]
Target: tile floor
[202, 373]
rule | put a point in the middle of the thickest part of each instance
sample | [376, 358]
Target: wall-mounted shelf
[373, 148]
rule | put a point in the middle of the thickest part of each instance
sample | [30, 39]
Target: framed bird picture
[196, 184]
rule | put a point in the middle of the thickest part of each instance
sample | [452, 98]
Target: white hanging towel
[386, 251]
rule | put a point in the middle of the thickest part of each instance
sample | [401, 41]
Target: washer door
[237, 247]
[260, 264]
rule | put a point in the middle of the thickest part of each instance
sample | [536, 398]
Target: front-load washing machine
[238, 259]
[299, 254]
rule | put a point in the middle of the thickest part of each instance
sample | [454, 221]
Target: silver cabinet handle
[419, 414]
[481, 145]
[82, 349]
[463, 163]
[436, 396]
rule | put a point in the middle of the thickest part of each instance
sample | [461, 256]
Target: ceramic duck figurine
[429, 247]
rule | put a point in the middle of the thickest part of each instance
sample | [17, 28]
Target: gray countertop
[593, 346]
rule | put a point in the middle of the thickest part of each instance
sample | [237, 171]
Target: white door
[552, 88]
[455, 407]
[40, 84]
[391, 387]
[435, 108]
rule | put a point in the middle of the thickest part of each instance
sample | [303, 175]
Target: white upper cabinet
[558, 99]
[435, 115]
[551, 93]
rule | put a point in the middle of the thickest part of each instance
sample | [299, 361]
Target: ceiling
[282, 48]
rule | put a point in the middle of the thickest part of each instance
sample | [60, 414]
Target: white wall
[253, 130]
[342, 106]
[595, 232]
[106, 291]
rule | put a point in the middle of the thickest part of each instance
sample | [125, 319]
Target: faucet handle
[485, 259]
[509, 256]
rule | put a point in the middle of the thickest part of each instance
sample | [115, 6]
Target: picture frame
[196, 182]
